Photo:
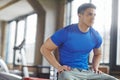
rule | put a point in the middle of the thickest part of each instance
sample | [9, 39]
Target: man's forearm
[96, 61]
[50, 57]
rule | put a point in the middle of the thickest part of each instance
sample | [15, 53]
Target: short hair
[84, 6]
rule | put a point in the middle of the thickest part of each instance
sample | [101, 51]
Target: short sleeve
[99, 40]
[59, 37]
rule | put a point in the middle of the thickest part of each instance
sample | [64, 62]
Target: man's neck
[83, 27]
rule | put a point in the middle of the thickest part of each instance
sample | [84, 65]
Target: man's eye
[90, 14]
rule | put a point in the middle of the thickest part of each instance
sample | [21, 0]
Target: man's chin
[90, 25]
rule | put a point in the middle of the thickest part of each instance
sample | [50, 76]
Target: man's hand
[97, 71]
[63, 68]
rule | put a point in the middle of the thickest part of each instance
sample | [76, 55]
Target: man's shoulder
[95, 33]
[65, 31]
[70, 27]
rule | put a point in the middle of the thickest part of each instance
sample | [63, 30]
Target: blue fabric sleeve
[59, 37]
[99, 41]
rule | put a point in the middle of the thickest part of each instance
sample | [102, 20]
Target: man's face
[88, 16]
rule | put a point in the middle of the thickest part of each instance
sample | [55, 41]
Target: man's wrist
[58, 66]
[94, 67]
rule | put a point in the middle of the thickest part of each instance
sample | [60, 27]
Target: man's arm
[46, 49]
[96, 59]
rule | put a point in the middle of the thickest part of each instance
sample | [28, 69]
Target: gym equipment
[23, 57]
[4, 72]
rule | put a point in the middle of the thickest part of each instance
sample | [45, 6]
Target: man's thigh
[76, 74]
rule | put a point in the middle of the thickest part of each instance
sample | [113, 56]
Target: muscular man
[75, 42]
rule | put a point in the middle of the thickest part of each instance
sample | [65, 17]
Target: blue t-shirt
[75, 46]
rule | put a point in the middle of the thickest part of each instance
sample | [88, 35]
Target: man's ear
[79, 15]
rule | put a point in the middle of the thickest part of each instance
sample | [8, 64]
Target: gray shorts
[80, 74]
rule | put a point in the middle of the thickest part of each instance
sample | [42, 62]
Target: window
[19, 38]
[11, 40]
[19, 30]
[118, 38]
[102, 23]
[30, 37]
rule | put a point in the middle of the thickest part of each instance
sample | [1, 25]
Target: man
[75, 43]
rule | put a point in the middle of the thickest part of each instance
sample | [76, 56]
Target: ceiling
[3, 2]
[10, 9]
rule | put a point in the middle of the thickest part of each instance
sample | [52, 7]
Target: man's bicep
[49, 44]
[97, 51]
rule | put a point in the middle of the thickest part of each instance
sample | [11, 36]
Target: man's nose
[93, 17]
